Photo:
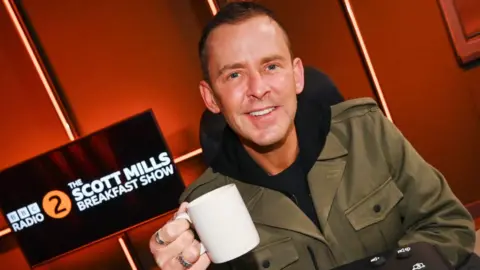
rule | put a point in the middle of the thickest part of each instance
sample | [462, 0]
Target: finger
[183, 207]
[190, 256]
[202, 263]
[154, 244]
[172, 230]
[173, 264]
[191, 253]
[165, 254]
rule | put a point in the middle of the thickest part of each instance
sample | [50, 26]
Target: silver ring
[158, 239]
[184, 262]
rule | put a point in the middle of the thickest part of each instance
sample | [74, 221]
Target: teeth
[263, 112]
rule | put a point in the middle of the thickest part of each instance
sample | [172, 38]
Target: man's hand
[174, 246]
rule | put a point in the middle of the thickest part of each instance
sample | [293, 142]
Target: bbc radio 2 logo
[55, 204]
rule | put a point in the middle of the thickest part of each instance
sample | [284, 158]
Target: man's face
[254, 81]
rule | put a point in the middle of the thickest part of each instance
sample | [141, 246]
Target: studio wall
[113, 59]
[29, 124]
[432, 98]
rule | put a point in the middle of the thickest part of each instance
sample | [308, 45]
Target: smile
[262, 112]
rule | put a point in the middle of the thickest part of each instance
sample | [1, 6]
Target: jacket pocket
[375, 218]
[375, 206]
[273, 256]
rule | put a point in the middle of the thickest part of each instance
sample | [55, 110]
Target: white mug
[223, 224]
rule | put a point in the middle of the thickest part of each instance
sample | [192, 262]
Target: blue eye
[271, 67]
[233, 75]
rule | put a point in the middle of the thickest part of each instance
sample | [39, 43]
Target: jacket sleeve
[431, 212]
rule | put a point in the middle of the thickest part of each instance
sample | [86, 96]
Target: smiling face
[254, 81]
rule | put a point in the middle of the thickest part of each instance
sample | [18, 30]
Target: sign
[89, 189]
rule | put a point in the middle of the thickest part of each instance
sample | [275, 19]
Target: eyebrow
[275, 57]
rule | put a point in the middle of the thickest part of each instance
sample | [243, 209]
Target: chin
[267, 140]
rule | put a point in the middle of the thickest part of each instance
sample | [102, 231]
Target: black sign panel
[89, 189]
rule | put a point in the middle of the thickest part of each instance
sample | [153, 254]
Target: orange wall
[434, 101]
[29, 124]
[113, 59]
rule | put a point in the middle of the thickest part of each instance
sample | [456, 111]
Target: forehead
[249, 40]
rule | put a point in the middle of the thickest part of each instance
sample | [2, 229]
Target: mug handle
[185, 216]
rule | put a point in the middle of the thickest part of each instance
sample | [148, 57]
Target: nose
[257, 87]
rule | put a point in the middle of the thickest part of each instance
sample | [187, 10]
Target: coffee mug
[223, 224]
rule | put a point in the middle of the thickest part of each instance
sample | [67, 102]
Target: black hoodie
[312, 122]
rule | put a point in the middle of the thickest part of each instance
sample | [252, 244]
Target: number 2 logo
[57, 204]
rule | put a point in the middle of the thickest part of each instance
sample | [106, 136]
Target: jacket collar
[264, 206]
[333, 149]
[323, 179]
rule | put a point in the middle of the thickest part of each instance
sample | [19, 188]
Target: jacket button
[377, 208]
[266, 264]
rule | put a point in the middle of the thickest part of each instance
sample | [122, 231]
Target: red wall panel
[434, 101]
[116, 58]
[28, 122]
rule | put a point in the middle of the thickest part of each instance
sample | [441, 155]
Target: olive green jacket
[372, 192]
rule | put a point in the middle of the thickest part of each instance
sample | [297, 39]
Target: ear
[298, 75]
[208, 97]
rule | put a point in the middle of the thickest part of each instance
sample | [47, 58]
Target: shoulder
[360, 125]
[361, 120]
[354, 109]
[208, 181]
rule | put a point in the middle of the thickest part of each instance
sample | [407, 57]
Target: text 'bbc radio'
[55, 204]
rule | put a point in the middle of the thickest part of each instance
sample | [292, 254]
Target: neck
[275, 158]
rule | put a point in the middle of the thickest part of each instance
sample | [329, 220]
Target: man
[324, 186]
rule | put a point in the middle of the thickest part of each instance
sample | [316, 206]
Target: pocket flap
[375, 206]
[272, 256]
